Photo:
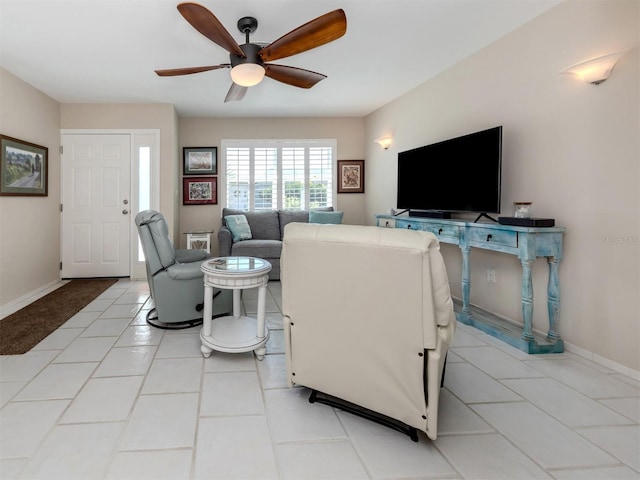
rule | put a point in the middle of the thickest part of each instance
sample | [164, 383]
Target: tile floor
[107, 396]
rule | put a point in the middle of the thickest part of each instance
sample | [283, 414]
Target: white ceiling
[106, 51]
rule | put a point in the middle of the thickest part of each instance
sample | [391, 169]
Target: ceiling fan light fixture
[247, 62]
[247, 74]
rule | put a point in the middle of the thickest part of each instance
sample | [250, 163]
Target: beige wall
[29, 226]
[570, 148]
[137, 116]
[208, 132]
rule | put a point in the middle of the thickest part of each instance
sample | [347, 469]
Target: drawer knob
[489, 237]
[409, 226]
[440, 231]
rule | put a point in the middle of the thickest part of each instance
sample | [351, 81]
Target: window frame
[278, 144]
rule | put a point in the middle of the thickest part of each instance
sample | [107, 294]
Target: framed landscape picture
[200, 160]
[350, 176]
[200, 191]
[23, 168]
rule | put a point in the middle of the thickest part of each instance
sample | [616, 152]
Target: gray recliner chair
[174, 276]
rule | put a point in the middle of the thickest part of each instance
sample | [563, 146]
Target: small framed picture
[350, 176]
[23, 168]
[200, 160]
[200, 191]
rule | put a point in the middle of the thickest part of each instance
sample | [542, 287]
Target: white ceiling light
[247, 74]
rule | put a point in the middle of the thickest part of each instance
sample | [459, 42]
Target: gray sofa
[267, 229]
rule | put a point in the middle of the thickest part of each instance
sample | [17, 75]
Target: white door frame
[139, 137]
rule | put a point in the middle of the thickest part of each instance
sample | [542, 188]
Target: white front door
[96, 205]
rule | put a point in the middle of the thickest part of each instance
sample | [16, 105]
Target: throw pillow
[325, 217]
[239, 227]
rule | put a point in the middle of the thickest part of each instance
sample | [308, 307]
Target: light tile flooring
[107, 396]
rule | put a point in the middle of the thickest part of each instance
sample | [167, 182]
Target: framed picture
[24, 168]
[200, 160]
[350, 176]
[200, 191]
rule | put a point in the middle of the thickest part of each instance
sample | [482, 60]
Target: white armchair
[368, 319]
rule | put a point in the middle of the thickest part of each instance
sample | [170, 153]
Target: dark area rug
[24, 329]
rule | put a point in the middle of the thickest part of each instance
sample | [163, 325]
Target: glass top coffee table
[235, 333]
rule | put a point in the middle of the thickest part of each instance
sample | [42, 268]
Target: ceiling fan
[248, 62]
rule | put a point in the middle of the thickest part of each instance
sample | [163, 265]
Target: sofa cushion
[239, 227]
[264, 224]
[325, 217]
[288, 216]
[301, 216]
[257, 248]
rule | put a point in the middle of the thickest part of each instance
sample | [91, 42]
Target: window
[145, 174]
[144, 186]
[278, 174]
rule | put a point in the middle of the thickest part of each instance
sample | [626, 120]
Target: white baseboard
[581, 352]
[21, 302]
[605, 362]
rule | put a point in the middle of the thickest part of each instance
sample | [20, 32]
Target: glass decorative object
[522, 209]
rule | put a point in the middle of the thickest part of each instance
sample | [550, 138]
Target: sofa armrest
[225, 240]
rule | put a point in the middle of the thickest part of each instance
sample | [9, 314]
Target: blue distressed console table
[527, 243]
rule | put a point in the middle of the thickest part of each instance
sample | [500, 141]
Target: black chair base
[155, 322]
[364, 413]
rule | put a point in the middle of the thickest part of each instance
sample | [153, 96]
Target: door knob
[125, 211]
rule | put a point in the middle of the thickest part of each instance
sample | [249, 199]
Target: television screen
[461, 174]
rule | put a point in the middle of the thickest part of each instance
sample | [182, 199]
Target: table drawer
[446, 233]
[485, 236]
[387, 222]
[408, 224]
[442, 230]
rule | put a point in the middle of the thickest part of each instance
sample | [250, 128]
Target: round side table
[235, 333]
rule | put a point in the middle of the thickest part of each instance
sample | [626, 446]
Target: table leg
[237, 304]
[206, 318]
[260, 320]
[527, 301]
[466, 283]
[553, 298]
[206, 351]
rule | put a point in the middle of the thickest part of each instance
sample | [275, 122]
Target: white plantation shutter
[279, 174]
[238, 178]
[293, 178]
[320, 176]
[265, 174]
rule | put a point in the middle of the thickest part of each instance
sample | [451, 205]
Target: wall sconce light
[596, 70]
[384, 142]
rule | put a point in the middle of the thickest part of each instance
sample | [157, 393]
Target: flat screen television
[462, 174]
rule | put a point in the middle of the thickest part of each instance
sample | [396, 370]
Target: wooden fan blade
[297, 77]
[235, 93]
[172, 72]
[208, 25]
[323, 29]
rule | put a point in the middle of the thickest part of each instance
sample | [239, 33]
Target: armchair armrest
[184, 271]
[188, 256]
[225, 240]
